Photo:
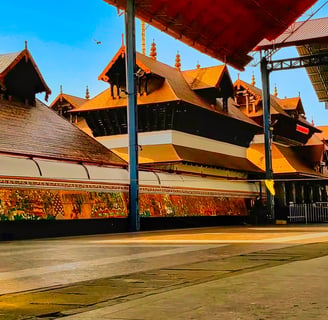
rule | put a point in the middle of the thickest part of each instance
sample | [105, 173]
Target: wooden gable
[20, 78]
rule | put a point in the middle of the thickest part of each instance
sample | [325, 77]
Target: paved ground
[244, 273]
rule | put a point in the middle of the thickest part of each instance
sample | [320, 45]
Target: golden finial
[25, 45]
[253, 80]
[87, 95]
[275, 92]
[238, 76]
[153, 50]
[197, 65]
[122, 39]
[178, 61]
[143, 37]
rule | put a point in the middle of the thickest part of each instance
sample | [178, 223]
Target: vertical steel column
[267, 134]
[130, 65]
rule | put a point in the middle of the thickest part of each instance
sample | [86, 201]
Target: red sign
[302, 129]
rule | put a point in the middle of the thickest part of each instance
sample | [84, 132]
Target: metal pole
[267, 135]
[130, 65]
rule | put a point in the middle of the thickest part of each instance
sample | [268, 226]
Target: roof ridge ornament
[178, 61]
[87, 95]
[153, 50]
[275, 92]
[253, 80]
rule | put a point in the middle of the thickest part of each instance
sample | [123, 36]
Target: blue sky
[61, 38]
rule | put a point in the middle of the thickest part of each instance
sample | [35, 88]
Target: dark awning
[311, 38]
[225, 30]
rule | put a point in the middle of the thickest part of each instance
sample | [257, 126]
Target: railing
[308, 212]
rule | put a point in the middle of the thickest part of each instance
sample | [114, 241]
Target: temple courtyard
[253, 273]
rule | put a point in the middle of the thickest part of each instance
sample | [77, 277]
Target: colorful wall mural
[35, 204]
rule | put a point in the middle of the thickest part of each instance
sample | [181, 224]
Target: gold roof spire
[153, 50]
[178, 61]
[275, 92]
[87, 95]
[253, 80]
[143, 37]
[197, 65]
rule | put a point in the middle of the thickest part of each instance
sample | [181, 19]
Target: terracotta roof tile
[6, 60]
[39, 131]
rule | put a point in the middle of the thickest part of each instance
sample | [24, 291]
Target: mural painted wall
[27, 204]
[35, 204]
[164, 205]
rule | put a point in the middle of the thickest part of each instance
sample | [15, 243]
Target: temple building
[64, 103]
[187, 120]
[57, 180]
[197, 121]
[299, 155]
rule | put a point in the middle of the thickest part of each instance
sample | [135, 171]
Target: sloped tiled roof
[292, 104]
[170, 153]
[311, 38]
[316, 139]
[324, 132]
[275, 107]
[175, 79]
[73, 100]
[203, 78]
[39, 131]
[104, 101]
[6, 60]
[174, 88]
[9, 61]
[285, 160]
[299, 33]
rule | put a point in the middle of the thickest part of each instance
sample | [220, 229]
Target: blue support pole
[267, 135]
[130, 65]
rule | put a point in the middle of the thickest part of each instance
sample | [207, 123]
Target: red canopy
[224, 29]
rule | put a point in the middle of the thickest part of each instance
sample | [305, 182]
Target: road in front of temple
[276, 272]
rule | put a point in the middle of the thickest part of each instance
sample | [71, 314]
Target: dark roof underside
[38, 131]
[318, 75]
[311, 38]
[226, 30]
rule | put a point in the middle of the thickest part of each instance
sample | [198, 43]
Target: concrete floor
[254, 273]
